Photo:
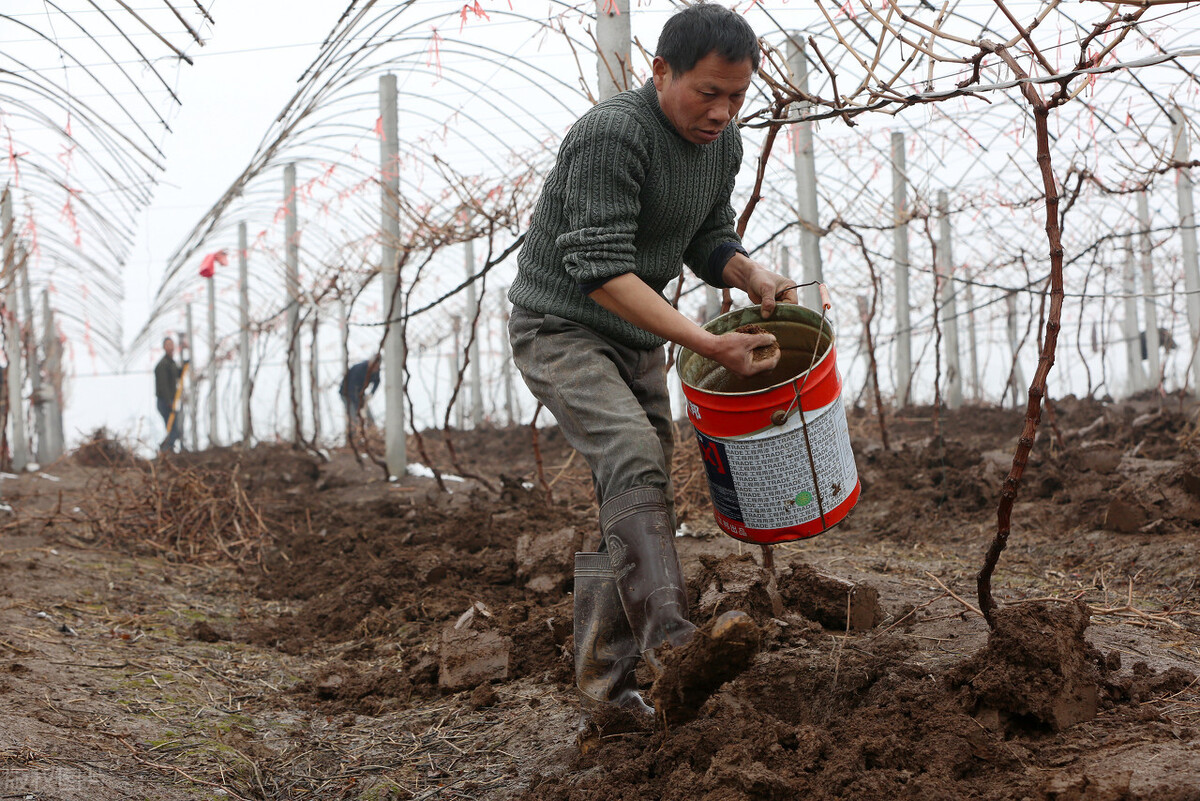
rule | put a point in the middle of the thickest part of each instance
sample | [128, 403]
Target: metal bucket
[775, 446]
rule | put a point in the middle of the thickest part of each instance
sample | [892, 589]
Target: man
[166, 389]
[354, 389]
[642, 183]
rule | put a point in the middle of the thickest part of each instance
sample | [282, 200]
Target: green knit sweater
[627, 195]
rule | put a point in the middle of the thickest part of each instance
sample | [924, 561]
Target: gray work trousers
[610, 400]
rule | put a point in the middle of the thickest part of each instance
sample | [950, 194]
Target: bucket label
[720, 480]
[765, 480]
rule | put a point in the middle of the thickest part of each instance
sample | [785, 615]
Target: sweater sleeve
[604, 164]
[718, 229]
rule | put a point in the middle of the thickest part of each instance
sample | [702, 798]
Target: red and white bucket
[775, 446]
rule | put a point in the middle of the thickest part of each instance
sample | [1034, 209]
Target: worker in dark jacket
[167, 375]
[641, 186]
[360, 383]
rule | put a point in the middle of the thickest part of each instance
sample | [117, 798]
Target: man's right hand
[735, 352]
[632, 299]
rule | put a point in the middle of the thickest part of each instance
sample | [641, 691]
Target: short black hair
[166, 340]
[705, 28]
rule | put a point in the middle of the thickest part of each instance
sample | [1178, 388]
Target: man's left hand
[759, 283]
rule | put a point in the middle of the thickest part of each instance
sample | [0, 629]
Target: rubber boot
[641, 546]
[606, 652]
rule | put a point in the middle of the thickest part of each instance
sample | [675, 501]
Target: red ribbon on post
[208, 265]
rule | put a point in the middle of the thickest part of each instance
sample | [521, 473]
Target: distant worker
[1165, 342]
[360, 383]
[168, 386]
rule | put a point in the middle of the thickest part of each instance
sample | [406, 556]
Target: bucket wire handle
[826, 305]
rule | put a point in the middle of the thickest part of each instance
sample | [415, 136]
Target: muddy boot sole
[691, 673]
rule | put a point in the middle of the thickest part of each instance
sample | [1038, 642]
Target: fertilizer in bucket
[775, 446]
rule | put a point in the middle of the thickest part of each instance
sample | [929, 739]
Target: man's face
[706, 98]
[169, 347]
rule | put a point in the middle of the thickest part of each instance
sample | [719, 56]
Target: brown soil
[390, 640]
[761, 353]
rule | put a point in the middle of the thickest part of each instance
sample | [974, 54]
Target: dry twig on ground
[185, 513]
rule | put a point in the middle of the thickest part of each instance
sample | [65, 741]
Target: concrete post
[213, 439]
[806, 181]
[945, 269]
[972, 342]
[345, 362]
[712, 303]
[903, 365]
[16, 401]
[32, 363]
[244, 332]
[476, 379]
[506, 374]
[1187, 236]
[393, 349]
[292, 297]
[314, 374]
[1017, 382]
[12, 338]
[460, 417]
[612, 54]
[680, 398]
[53, 386]
[864, 313]
[1153, 346]
[1135, 379]
[345, 336]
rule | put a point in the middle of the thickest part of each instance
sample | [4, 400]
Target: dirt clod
[204, 631]
[1037, 669]
[733, 582]
[1124, 516]
[1099, 457]
[691, 673]
[1191, 482]
[470, 657]
[483, 696]
[833, 602]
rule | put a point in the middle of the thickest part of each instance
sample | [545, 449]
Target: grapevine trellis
[485, 93]
[82, 127]
[977, 181]
[87, 94]
[937, 163]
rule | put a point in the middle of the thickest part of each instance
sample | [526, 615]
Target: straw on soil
[190, 513]
[101, 450]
